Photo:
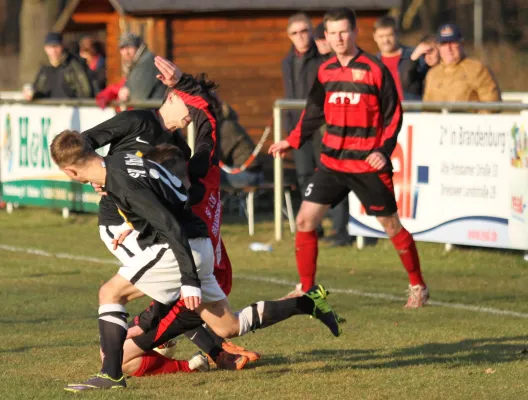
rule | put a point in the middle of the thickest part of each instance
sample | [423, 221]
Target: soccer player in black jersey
[154, 202]
[138, 131]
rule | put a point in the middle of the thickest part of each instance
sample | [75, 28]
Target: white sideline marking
[391, 297]
[383, 296]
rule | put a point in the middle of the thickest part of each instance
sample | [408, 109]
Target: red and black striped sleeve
[206, 136]
[390, 113]
[313, 115]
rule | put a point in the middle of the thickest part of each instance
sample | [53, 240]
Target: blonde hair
[70, 148]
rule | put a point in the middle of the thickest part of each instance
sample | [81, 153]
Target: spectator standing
[92, 51]
[63, 77]
[139, 68]
[236, 147]
[458, 78]
[323, 47]
[299, 70]
[392, 53]
[413, 71]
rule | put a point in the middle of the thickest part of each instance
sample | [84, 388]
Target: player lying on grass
[170, 239]
[137, 131]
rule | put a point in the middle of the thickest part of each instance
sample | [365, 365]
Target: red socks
[306, 256]
[153, 363]
[406, 247]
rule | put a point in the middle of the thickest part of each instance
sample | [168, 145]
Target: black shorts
[374, 190]
[162, 322]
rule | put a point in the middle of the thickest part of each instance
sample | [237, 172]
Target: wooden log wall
[243, 53]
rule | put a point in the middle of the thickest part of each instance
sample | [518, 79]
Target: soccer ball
[167, 349]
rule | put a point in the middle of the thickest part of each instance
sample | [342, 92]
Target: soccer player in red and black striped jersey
[355, 95]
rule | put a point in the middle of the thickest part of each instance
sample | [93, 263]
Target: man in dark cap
[458, 78]
[63, 76]
[320, 41]
[139, 68]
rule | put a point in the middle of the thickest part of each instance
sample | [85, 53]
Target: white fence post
[278, 174]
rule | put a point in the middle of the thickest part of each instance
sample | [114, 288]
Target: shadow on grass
[63, 273]
[23, 349]
[453, 355]
[270, 360]
[342, 355]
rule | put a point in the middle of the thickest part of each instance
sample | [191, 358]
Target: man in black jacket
[322, 44]
[63, 77]
[340, 212]
[299, 69]
[414, 69]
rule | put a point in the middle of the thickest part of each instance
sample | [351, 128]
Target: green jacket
[69, 80]
[236, 145]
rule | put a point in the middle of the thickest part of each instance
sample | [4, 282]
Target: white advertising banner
[459, 179]
[28, 174]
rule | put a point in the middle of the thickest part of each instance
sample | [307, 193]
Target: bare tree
[36, 19]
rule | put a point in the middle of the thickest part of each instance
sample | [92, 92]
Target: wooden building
[239, 43]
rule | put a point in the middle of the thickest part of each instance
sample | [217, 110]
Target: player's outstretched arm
[116, 127]
[279, 148]
[391, 113]
[312, 117]
[169, 74]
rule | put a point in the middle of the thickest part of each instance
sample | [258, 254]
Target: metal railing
[443, 107]
[279, 106]
[91, 103]
[80, 103]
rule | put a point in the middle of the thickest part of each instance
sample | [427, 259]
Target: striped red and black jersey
[201, 110]
[359, 104]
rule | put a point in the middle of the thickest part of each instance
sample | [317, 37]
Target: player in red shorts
[355, 95]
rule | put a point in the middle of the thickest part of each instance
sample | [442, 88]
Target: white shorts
[155, 270]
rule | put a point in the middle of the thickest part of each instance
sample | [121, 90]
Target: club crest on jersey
[344, 98]
[358, 74]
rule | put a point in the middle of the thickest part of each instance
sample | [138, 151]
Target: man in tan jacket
[458, 78]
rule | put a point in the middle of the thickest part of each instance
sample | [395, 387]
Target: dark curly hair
[198, 85]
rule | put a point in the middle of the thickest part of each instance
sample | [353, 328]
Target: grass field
[49, 334]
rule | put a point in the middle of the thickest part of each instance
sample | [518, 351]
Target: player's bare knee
[129, 368]
[227, 332]
[108, 295]
[304, 223]
[391, 224]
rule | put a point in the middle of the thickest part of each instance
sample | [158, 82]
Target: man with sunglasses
[299, 69]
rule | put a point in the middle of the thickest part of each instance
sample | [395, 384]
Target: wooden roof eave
[67, 14]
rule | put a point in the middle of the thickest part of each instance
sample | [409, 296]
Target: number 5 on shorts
[308, 190]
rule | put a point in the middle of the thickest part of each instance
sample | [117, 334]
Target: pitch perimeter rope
[251, 158]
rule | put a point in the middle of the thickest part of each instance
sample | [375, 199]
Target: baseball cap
[448, 33]
[130, 39]
[53, 38]
[319, 31]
